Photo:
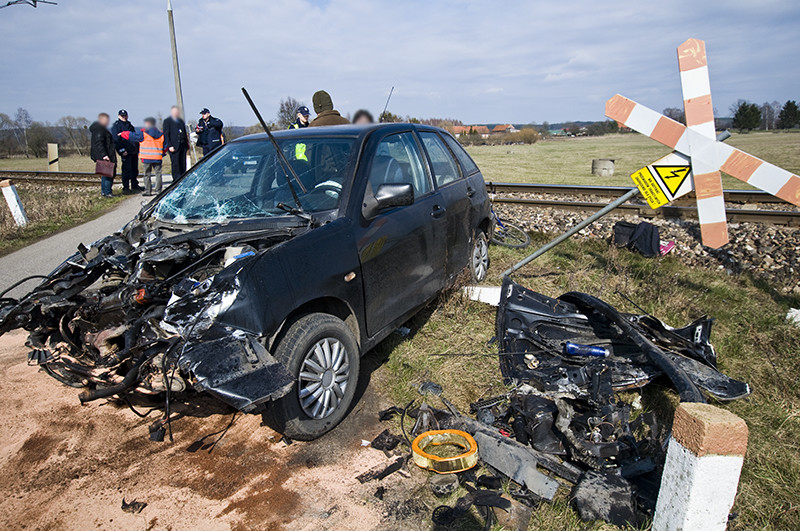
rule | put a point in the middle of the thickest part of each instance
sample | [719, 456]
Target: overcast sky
[478, 61]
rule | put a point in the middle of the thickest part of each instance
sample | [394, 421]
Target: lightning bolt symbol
[676, 173]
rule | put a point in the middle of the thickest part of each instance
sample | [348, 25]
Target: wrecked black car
[263, 275]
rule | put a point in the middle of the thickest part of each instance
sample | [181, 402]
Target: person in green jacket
[326, 115]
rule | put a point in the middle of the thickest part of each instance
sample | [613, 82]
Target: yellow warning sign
[672, 176]
[646, 183]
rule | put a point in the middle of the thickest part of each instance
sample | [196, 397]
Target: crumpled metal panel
[238, 370]
[529, 323]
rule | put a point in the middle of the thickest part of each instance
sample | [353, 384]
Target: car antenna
[279, 151]
[383, 114]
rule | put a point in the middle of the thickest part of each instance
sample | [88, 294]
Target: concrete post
[12, 198]
[701, 472]
[52, 157]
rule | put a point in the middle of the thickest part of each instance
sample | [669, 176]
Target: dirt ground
[67, 466]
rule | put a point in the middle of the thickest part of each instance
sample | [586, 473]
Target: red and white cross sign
[696, 146]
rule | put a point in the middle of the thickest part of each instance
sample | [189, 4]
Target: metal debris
[443, 485]
[381, 471]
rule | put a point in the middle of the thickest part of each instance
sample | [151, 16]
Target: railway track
[682, 209]
[51, 177]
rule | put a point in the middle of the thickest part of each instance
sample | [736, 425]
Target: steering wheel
[330, 188]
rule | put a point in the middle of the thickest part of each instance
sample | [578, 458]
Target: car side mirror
[388, 196]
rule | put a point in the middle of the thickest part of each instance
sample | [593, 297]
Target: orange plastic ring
[445, 465]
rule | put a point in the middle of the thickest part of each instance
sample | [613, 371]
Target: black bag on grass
[643, 237]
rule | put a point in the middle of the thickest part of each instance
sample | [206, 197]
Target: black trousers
[178, 160]
[130, 170]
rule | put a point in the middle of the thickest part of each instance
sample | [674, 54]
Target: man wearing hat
[326, 115]
[302, 118]
[209, 132]
[128, 151]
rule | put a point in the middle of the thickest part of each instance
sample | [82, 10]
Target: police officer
[302, 118]
[129, 152]
[209, 131]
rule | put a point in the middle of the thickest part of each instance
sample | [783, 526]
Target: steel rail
[733, 196]
[738, 215]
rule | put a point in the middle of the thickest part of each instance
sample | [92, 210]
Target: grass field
[753, 341]
[569, 160]
[50, 209]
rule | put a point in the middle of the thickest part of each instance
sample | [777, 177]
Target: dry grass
[50, 209]
[569, 160]
[753, 340]
[68, 163]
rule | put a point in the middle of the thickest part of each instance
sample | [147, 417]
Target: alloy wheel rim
[480, 259]
[323, 378]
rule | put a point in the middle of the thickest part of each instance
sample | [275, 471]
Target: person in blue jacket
[151, 149]
[209, 132]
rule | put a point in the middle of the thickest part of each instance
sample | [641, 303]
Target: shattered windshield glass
[246, 180]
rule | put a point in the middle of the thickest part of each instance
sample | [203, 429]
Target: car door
[456, 197]
[480, 207]
[402, 249]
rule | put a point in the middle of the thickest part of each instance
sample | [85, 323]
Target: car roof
[339, 130]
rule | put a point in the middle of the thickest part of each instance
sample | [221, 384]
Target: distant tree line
[21, 136]
[748, 116]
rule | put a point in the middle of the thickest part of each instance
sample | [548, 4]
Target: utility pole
[177, 71]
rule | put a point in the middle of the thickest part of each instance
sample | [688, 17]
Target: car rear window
[467, 164]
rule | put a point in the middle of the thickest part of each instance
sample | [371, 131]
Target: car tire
[479, 258]
[317, 349]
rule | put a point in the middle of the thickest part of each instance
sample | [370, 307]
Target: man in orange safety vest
[151, 151]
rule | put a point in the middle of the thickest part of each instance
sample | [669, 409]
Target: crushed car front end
[181, 298]
[146, 311]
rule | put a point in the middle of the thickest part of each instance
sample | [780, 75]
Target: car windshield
[246, 180]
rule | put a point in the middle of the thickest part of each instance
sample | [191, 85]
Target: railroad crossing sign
[698, 157]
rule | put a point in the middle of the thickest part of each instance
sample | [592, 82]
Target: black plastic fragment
[381, 471]
[133, 506]
[385, 441]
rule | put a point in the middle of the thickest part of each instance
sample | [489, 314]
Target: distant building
[504, 128]
[459, 130]
[558, 132]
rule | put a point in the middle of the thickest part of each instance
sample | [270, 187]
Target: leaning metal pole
[177, 71]
[633, 192]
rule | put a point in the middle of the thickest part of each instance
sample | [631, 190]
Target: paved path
[42, 257]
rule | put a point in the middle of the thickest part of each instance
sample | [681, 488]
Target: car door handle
[437, 211]
[470, 191]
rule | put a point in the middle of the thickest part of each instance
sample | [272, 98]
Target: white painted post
[12, 198]
[52, 157]
[701, 472]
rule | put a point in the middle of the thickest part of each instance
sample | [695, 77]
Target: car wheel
[479, 260]
[322, 353]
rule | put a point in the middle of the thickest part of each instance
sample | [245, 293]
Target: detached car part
[424, 458]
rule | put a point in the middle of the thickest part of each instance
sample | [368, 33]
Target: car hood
[143, 309]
